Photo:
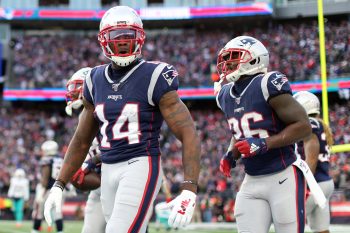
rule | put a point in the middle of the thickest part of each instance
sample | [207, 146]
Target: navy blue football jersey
[245, 105]
[126, 107]
[322, 168]
[55, 164]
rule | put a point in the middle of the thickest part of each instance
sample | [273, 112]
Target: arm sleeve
[87, 93]
[87, 89]
[166, 81]
[45, 161]
[274, 84]
[220, 97]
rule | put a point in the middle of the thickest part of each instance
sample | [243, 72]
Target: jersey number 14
[129, 116]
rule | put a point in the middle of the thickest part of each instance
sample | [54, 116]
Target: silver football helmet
[121, 35]
[243, 55]
[74, 95]
[309, 101]
[49, 148]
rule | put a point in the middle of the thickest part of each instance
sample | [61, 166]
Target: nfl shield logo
[238, 100]
[115, 86]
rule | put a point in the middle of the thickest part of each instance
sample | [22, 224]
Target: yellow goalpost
[335, 148]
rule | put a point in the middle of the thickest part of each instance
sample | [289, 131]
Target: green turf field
[75, 227]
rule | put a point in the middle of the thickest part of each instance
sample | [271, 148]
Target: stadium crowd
[47, 60]
[23, 131]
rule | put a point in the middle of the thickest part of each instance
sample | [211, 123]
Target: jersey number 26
[241, 128]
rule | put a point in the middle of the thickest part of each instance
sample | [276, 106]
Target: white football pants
[128, 190]
[94, 221]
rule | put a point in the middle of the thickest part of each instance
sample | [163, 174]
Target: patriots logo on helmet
[248, 41]
[279, 81]
[170, 75]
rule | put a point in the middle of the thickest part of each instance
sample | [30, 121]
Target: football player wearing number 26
[265, 121]
[125, 103]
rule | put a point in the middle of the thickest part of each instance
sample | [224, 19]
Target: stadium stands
[47, 60]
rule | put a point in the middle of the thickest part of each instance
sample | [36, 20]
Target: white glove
[54, 201]
[182, 209]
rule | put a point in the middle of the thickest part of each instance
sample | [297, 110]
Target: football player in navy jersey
[315, 150]
[265, 121]
[125, 103]
[50, 164]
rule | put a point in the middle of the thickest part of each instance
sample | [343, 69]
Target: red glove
[87, 166]
[251, 146]
[227, 162]
[79, 175]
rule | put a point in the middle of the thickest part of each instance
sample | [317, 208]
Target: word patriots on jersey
[182, 208]
[251, 146]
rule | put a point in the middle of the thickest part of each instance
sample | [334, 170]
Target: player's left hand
[249, 147]
[182, 209]
[54, 201]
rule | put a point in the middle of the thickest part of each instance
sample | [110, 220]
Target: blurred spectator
[19, 193]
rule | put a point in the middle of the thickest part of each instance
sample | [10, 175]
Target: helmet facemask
[122, 43]
[231, 60]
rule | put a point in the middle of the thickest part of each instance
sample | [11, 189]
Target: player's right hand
[182, 208]
[249, 147]
[54, 201]
[227, 162]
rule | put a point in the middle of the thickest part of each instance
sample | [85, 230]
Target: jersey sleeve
[220, 97]
[87, 89]
[166, 81]
[274, 84]
[44, 161]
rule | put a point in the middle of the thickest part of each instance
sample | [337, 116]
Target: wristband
[59, 184]
[190, 182]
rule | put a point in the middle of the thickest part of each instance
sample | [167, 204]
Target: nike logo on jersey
[130, 162]
[253, 148]
[281, 182]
